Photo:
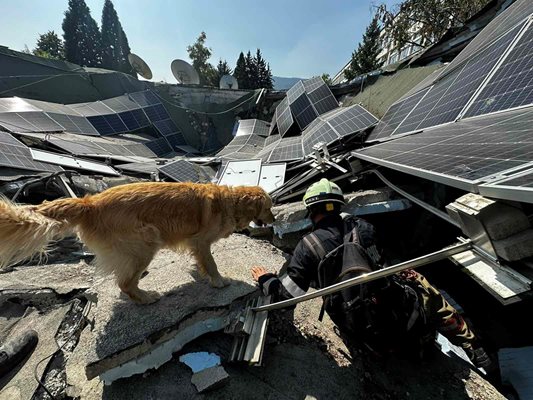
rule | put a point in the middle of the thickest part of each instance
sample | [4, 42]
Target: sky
[299, 38]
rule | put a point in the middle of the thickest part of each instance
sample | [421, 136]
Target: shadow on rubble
[126, 325]
[301, 366]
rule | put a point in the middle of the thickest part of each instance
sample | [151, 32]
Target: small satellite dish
[228, 82]
[184, 73]
[140, 66]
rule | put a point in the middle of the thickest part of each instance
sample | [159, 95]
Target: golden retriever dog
[126, 225]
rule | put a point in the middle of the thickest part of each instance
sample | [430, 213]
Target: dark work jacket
[302, 271]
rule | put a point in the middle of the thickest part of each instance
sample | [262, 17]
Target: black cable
[59, 348]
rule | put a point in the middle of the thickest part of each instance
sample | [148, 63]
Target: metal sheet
[272, 176]
[72, 162]
[241, 173]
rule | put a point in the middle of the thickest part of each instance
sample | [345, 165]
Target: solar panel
[141, 117]
[129, 120]
[30, 121]
[518, 187]
[74, 124]
[322, 99]
[101, 124]
[287, 149]
[72, 162]
[16, 104]
[461, 154]
[181, 171]
[313, 83]
[144, 98]
[448, 96]
[166, 127]
[121, 103]
[116, 123]
[285, 119]
[351, 119]
[395, 115]
[159, 146]
[304, 113]
[272, 176]
[321, 132]
[295, 91]
[176, 140]
[265, 153]
[516, 13]
[241, 173]
[141, 167]
[512, 84]
[16, 155]
[156, 112]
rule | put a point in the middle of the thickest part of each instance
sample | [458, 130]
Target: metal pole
[416, 262]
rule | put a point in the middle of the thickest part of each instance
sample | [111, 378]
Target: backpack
[383, 314]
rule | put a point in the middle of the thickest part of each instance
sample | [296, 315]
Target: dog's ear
[253, 204]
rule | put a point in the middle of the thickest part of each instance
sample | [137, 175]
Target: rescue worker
[387, 315]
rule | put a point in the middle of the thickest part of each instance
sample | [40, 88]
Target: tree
[365, 58]
[199, 55]
[434, 17]
[50, 45]
[326, 78]
[115, 46]
[251, 71]
[240, 72]
[222, 69]
[81, 35]
[263, 77]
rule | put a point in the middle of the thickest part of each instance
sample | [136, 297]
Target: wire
[203, 112]
[83, 317]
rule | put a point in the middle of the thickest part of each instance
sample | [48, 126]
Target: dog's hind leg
[207, 265]
[128, 264]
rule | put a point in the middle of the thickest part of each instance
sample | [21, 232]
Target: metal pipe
[372, 276]
[415, 200]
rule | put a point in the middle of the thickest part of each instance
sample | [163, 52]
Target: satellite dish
[228, 82]
[140, 66]
[184, 73]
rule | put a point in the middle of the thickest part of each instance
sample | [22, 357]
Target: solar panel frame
[448, 97]
[287, 149]
[15, 154]
[144, 98]
[180, 171]
[463, 154]
[511, 85]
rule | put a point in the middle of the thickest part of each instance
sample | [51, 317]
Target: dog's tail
[25, 231]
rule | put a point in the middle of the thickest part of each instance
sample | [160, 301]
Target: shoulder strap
[315, 245]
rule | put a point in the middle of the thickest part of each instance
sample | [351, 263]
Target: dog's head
[253, 204]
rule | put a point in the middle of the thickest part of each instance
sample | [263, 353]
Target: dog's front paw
[147, 297]
[218, 282]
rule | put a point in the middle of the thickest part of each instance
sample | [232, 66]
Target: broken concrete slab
[61, 278]
[78, 386]
[210, 378]
[21, 380]
[125, 332]
[515, 247]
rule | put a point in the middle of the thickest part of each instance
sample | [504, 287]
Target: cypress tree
[240, 72]
[81, 35]
[222, 69]
[251, 71]
[115, 46]
[263, 74]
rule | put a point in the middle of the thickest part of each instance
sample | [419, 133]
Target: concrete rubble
[210, 378]
[189, 307]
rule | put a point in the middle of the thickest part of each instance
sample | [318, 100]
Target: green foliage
[222, 69]
[49, 45]
[240, 72]
[81, 35]
[115, 46]
[435, 17]
[365, 58]
[253, 72]
[199, 54]
[326, 78]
